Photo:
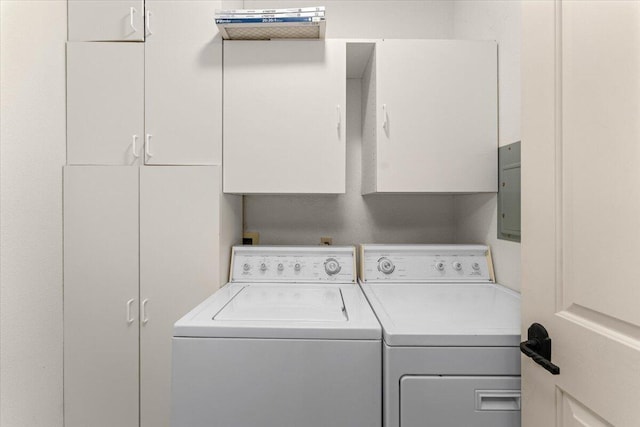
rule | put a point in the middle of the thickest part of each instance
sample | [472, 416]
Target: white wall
[499, 20]
[352, 218]
[398, 19]
[476, 215]
[32, 75]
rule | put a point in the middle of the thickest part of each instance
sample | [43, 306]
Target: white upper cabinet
[284, 116]
[430, 117]
[106, 20]
[105, 108]
[183, 84]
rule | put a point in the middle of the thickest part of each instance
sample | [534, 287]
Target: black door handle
[538, 347]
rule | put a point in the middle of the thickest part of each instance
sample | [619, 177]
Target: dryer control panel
[426, 263]
[293, 264]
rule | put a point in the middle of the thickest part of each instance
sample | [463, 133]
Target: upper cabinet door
[105, 103]
[437, 116]
[183, 84]
[284, 116]
[106, 20]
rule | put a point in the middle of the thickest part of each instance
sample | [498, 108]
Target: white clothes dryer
[451, 336]
[290, 341]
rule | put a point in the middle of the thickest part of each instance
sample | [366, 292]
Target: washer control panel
[293, 264]
[426, 263]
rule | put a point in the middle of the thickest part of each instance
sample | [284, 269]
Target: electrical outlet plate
[250, 238]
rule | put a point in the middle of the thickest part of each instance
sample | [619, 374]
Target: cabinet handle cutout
[145, 319]
[148, 22]
[147, 145]
[132, 11]
[339, 122]
[133, 147]
[385, 118]
[129, 318]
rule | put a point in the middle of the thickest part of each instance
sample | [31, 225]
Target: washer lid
[283, 310]
[446, 314]
[285, 303]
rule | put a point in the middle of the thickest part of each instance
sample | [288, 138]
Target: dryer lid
[446, 314]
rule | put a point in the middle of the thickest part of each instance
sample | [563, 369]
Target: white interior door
[183, 83]
[100, 296]
[179, 268]
[106, 20]
[105, 103]
[581, 210]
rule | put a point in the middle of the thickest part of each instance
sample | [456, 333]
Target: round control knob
[246, 267]
[332, 266]
[263, 267]
[439, 266]
[385, 265]
[475, 266]
[297, 267]
[457, 266]
[280, 267]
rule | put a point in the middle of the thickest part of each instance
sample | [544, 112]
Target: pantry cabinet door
[106, 20]
[438, 116]
[284, 116]
[179, 268]
[101, 296]
[105, 103]
[183, 84]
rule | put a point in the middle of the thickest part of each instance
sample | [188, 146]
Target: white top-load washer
[450, 336]
[289, 341]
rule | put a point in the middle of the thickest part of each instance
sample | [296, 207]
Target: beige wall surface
[32, 76]
[398, 19]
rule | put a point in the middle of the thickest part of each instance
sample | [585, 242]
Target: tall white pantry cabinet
[147, 228]
[142, 247]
